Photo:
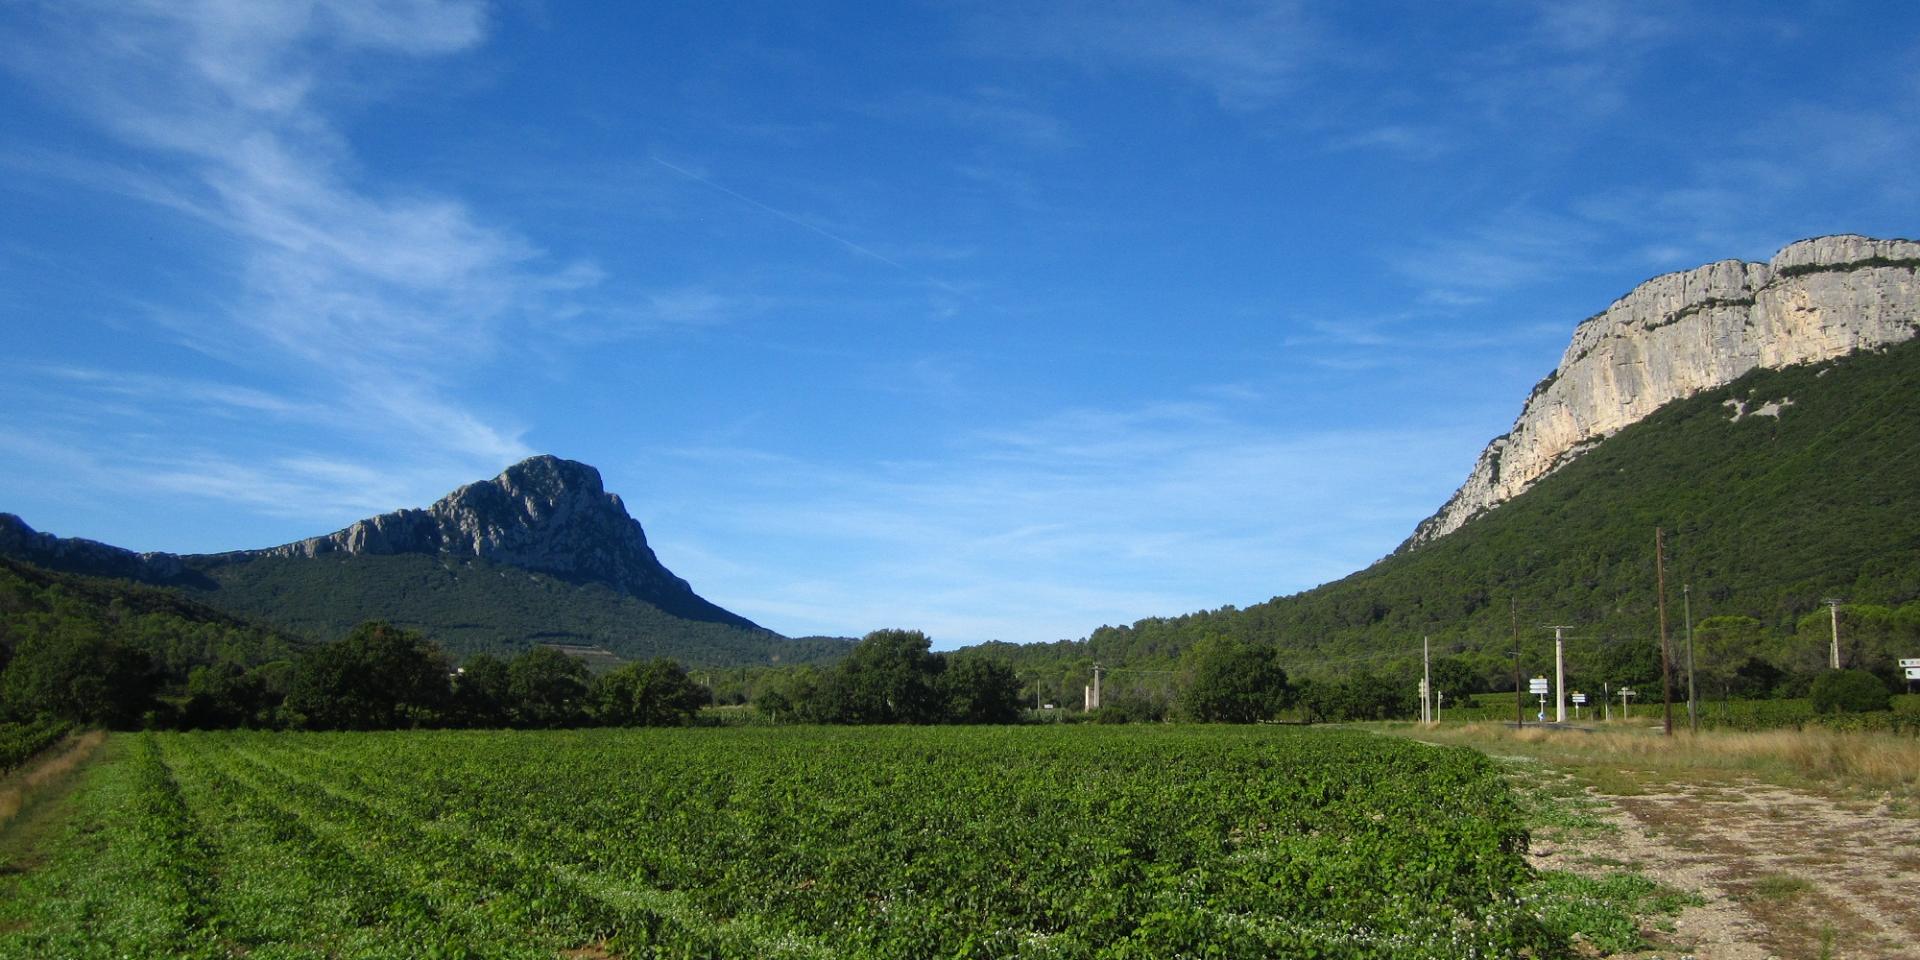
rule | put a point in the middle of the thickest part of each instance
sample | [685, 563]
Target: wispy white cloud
[1188, 502]
[1514, 247]
[1602, 26]
[998, 114]
[1421, 141]
[1245, 54]
[1569, 64]
[212, 397]
[358, 304]
[294, 488]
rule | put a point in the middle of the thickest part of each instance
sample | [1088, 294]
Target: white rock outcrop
[1679, 334]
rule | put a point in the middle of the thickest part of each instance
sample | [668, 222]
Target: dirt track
[1785, 873]
[21, 787]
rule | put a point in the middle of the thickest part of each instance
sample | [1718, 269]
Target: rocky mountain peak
[543, 514]
[1678, 334]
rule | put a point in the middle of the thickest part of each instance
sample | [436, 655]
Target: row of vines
[786, 842]
[20, 742]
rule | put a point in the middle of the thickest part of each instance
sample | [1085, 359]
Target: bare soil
[1785, 873]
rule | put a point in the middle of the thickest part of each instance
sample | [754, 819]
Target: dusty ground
[1784, 873]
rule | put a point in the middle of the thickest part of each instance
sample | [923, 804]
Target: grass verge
[1629, 761]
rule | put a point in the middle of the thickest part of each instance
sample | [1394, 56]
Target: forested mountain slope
[1777, 491]
[540, 554]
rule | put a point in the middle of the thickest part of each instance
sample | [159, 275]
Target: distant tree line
[892, 676]
[378, 677]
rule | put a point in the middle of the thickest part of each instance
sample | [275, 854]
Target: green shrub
[1849, 691]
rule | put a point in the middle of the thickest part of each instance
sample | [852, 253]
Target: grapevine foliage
[1041, 842]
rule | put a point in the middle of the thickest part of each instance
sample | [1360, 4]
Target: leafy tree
[1456, 677]
[977, 689]
[774, 704]
[379, 677]
[1759, 677]
[1721, 647]
[480, 697]
[226, 695]
[655, 693]
[1234, 683]
[1357, 696]
[888, 678]
[1626, 662]
[547, 688]
[799, 695]
[75, 672]
[1132, 708]
[1849, 691]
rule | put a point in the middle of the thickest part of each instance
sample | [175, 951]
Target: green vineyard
[20, 741]
[784, 842]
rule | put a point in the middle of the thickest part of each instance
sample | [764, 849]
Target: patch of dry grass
[18, 789]
[1873, 762]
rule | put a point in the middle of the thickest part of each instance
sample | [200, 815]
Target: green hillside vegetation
[1765, 517]
[474, 606]
[91, 650]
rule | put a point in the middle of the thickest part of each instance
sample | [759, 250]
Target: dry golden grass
[1876, 762]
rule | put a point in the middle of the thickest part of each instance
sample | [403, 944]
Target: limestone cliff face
[1681, 333]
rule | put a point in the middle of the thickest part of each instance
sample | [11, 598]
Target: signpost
[1625, 693]
[1911, 667]
[1539, 687]
[1579, 700]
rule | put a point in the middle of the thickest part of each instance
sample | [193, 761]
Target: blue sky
[997, 320]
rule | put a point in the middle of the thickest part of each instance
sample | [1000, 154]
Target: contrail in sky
[796, 221]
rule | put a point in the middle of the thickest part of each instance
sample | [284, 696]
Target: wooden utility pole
[1666, 662]
[1519, 708]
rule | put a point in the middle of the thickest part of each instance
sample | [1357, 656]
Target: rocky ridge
[1681, 333]
[79, 555]
[543, 514]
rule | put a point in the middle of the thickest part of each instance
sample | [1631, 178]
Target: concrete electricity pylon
[1693, 705]
[1666, 659]
[1833, 657]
